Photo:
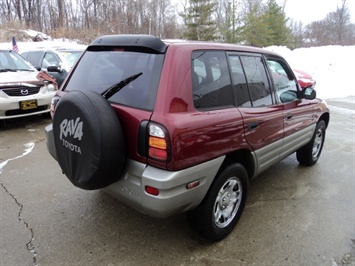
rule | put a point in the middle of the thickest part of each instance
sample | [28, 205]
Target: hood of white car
[19, 77]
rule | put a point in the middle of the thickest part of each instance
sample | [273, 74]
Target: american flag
[14, 45]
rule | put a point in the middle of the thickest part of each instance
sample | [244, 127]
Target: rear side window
[239, 82]
[258, 83]
[99, 70]
[211, 84]
[250, 80]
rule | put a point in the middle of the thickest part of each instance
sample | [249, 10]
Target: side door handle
[288, 116]
[253, 125]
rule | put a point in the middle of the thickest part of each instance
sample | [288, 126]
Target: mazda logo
[24, 92]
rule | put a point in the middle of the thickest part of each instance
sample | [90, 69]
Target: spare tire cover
[89, 140]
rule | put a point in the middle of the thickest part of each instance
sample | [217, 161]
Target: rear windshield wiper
[118, 86]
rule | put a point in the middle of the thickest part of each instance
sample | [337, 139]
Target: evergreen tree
[229, 27]
[225, 20]
[198, 20]
[265, 25]
[275, 20]
[254, 31]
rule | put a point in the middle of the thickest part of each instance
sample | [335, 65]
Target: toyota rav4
[180, 126]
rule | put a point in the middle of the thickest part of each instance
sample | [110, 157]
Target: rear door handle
[253, 125]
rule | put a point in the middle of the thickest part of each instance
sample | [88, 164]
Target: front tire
[223, 205]
[309, 154]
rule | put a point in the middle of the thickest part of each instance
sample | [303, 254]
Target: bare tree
[341, 19]
[335, 29]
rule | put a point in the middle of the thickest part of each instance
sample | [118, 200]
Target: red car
[279, 76]
[304, 79]
[179, 126]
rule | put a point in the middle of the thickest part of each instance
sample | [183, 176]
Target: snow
[49, 44]
[333, 67]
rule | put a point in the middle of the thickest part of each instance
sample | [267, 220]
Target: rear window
[99, 70]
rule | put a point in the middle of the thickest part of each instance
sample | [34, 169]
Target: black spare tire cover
[89, 140]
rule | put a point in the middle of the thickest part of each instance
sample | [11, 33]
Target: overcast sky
[308, 11]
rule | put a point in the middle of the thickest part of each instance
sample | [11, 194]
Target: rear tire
[223, 205]
[309, 154]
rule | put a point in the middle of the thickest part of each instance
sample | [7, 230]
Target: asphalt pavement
[295, 215]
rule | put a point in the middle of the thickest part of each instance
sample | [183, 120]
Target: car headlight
[50, 87]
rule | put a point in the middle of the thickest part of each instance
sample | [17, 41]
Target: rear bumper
[48, 130]
[173, 198]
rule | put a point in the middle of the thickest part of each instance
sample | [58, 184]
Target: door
[299, 121]
[262, 117]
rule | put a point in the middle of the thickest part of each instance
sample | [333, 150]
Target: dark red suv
[175, 126]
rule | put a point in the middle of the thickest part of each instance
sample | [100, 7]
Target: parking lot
[294, 215]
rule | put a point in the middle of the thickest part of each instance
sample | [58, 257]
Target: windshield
[70, 57]
[12, 61]
[99, 70]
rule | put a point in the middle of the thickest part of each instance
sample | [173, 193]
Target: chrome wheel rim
[227, 202]
[317, 144]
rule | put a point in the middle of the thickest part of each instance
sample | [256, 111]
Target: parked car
[57, 62]
[304, 79]
[23, 90]
[181, 126]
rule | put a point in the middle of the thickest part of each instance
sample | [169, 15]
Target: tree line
[252, 22]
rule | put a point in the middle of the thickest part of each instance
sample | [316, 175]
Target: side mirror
[288, 96]
[309, 93]
[54, 69]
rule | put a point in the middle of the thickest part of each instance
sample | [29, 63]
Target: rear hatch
[108, 61]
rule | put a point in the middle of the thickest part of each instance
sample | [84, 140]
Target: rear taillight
[158, 142]
[54, 103]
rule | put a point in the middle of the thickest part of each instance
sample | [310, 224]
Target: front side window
[50, 60]
[211, 84]
[285, 84]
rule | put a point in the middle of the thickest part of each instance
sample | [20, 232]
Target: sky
[308, 11]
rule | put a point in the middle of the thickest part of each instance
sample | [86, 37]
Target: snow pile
[332, 67]
[46, 43]
[50, 44]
